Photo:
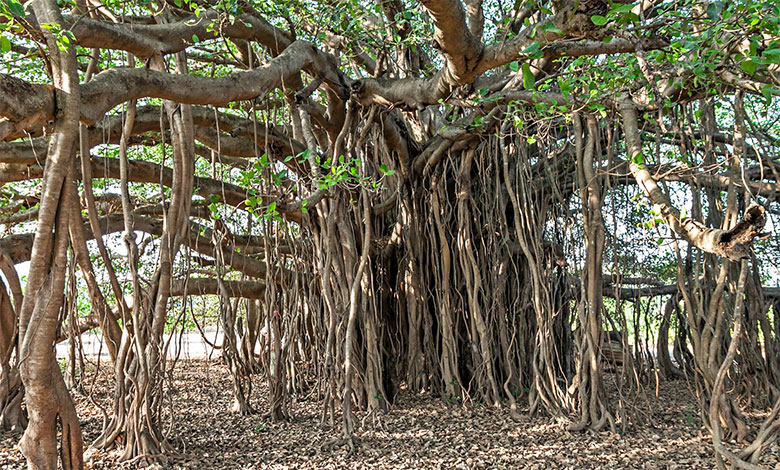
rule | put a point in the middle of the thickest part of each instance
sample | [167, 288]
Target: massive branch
[145, 40]
[21, 101]
[415, 93]
[734, 244]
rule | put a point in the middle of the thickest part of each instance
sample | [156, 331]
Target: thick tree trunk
[46, 396]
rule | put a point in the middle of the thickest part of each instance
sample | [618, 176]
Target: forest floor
[421, 432]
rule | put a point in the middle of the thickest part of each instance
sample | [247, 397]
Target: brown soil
[420, 432]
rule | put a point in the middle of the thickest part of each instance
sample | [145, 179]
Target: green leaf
[598, 20]
[772, 52]
[528, 77]
[625, 8]
[714, 10]
[514, 66]
[533, 47]
[638, 159]
[15, 7]
[749, 67]
[195, 38]
[768, 91]
[551, 28]
[5, 44]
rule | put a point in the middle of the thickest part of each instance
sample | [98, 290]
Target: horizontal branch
[21, 101]
[637, 292]
[28, 164]
[415, 93]
[114, 86]
[629, 293]
[686, 174]
[734, 244]
[145, 40]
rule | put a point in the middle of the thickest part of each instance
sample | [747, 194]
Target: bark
[348, 426]
[46, 396]
[111, 87]
[12, 417]
[593, 408]
[734, 244]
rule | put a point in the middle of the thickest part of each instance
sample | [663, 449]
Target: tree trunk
[46, 396]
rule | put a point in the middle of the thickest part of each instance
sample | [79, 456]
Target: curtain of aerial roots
[494, 319]
[460, 292]
[240, 365]
[538, 185]
[284, 316]
[721, 322]
[758, 382]
[705, 298]
[593, 406]
[140, 365]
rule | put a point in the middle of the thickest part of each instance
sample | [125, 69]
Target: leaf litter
[420, 432]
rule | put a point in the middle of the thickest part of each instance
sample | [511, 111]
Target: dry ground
[420, 433]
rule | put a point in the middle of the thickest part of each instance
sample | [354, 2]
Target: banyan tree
[454, 197]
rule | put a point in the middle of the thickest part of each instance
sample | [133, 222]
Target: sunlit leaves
[533, 49]
[748, 66]
[13, 7]
[383, 169]
[529, 80]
